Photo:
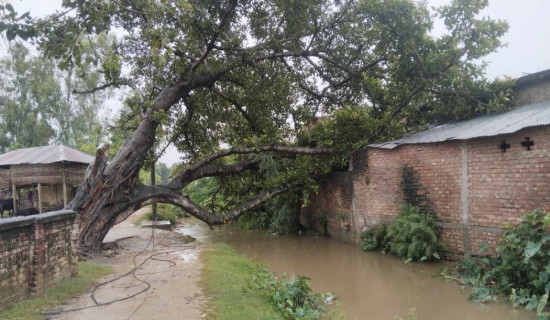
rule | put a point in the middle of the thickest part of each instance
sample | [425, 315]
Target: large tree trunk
[104, 198]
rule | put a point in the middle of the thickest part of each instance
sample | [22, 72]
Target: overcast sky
[528, 38]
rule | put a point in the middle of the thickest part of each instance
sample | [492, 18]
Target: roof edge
[533, 77]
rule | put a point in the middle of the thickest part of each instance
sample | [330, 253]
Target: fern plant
[375, 238]
[413, 236]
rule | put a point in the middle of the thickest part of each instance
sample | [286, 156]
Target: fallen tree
[250, 75]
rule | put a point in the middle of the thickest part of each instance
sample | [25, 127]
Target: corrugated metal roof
[44, 155]
[537, 114]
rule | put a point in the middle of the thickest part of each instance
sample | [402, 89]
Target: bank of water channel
[369, 285]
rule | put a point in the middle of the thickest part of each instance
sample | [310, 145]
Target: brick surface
[499, 187]
[35, 256]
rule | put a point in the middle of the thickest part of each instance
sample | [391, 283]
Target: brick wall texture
[35, 252]
[475, 187]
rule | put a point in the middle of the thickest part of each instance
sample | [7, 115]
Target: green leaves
[411, 236]
[522, 268]
[532, 248]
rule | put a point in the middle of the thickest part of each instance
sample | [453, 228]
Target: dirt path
[172, 271]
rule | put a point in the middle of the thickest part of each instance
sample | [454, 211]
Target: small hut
[44, 178]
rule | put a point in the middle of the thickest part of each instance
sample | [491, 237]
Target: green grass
[145, 217]
[64, 290]
[228, 279]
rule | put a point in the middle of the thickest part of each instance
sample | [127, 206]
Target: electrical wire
[131, 272]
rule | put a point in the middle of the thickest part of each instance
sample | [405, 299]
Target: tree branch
[239, 108]
[203, 168]
[183, 179]
[102, 87]
[211, 218]
[246, 150]
[402, 104]
[232, 4]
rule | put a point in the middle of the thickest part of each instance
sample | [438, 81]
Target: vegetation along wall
[35, 252]
[474, 186]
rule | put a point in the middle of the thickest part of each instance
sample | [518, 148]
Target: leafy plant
[413, 236]
[521, 270]
[167, 212]
[412, 315]
[375, 238]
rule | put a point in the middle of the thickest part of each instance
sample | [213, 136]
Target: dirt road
[172, 271]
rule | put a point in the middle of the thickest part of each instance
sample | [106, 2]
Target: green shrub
[294, 298]
[375, 238]
[280, 216]
[166, 212]
[257, 219]
[521, 270]
[413, 236]
[243, 289]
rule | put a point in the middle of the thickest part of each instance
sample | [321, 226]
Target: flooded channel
[369, 285]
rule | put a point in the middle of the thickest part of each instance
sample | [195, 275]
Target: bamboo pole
[14, 196]
[64, 189]
[39, 198]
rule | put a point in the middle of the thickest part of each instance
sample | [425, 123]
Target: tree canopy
[38, 105]
[253, 88]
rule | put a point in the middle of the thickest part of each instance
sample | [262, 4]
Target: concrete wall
[533, 88]
[475, 187]
[35, 252]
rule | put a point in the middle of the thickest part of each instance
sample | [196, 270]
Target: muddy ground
[172, 271]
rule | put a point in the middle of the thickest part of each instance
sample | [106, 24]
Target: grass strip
[227, 279]
[61, 292]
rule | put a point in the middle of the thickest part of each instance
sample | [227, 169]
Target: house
[479, 175]
[44, 178]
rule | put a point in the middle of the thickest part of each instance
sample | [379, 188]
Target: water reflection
[369, 285]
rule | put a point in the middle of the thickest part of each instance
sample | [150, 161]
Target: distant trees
[38, 104]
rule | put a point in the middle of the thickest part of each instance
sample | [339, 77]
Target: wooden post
[154, 204]
[64, 189]
[39, 198]
[14, 196]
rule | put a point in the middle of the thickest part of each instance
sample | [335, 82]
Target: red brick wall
[475, 188]
[331, 210]
[35, 252]
[505, 185]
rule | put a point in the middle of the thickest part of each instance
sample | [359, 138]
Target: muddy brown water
[369, 285]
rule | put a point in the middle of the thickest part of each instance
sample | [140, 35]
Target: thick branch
[203, 168]
[247, 150]
[224, 169]
[211, 218]
[186, 177]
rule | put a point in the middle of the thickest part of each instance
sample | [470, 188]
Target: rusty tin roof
[533, 115]
[44, 155]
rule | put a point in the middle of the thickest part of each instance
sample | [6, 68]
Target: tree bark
[111, 190]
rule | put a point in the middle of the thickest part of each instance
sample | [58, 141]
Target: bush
[257, 219]
[294, 298]
[521, 270]
[167, 212]
[413, 236]
[243, 289]
[280, 216]
[374, 239]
